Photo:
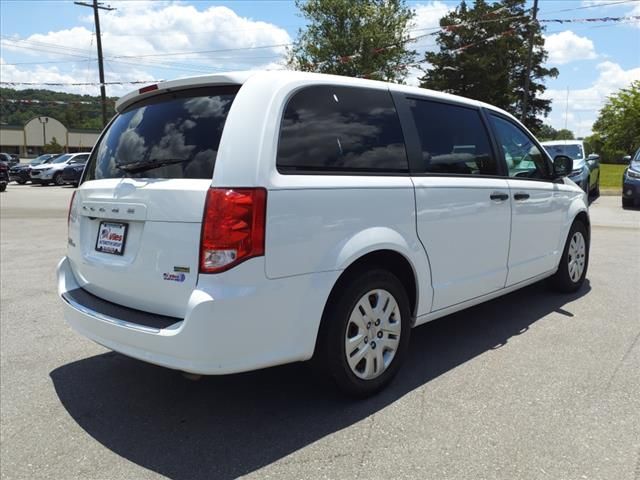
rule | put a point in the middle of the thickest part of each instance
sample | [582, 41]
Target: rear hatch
[135, 224]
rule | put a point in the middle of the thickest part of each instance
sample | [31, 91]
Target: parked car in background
[9, 159]
[631, 182]
[586, 169]
[52, 172]
[20, 173]
[4, 175]
[72, 173]
[354, 211]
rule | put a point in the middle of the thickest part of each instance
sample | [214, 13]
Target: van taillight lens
[232, 228]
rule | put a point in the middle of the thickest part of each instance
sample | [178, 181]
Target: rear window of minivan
[173, 135]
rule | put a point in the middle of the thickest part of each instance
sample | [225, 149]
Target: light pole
[43, 121]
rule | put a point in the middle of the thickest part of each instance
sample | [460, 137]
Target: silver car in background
[586, 169]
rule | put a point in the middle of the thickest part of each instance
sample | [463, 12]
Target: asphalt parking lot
[534, 385]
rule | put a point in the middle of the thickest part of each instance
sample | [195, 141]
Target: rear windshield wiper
[137, 167]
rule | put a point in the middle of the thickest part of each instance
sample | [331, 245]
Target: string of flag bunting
[376, 51]
[451, 28]
[48, 102]
[83, 84]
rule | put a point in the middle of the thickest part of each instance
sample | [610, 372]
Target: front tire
[57, 179]
[365, 332]
[627, 202]
[575, 260]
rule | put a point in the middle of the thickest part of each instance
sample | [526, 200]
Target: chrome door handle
[498, 196]
[520, 196]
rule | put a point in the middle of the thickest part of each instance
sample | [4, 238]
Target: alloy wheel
[372, 335]
[576, 256]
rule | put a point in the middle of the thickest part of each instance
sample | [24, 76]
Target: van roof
[551, 143]
[281, 77]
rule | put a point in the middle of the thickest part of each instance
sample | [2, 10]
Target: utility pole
[96, 17]
[527, 77]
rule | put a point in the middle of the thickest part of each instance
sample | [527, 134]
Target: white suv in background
[237, 221]
[52, 172]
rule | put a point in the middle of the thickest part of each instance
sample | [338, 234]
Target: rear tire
[21, 182]
[574, 262]
[3, 186]
[365, 333]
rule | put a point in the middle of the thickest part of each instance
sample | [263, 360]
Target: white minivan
[237, 221]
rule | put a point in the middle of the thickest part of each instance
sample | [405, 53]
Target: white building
[29, 140]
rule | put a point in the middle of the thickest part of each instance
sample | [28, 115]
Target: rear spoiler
[231, 78]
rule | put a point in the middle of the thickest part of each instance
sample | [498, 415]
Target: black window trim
[343, 172]
[531, 137]
[412, 138]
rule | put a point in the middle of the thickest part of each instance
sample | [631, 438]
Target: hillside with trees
[75, 111]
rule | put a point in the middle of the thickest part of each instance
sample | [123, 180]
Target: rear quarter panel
[315, 223]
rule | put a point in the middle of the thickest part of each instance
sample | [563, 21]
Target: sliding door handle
[498, 196]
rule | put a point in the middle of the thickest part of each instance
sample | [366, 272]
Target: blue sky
[53, 41]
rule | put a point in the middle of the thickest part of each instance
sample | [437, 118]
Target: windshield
[40, 159]
[170, 136]
[636, 157]
[62, 159]
[573, 151]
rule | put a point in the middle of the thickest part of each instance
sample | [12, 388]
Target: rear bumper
[229, 327]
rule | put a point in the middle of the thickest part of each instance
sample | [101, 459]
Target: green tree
[617, 129]
[53, 147]
[483, 55]
[564, 134]
[355, 38]
[546, 132]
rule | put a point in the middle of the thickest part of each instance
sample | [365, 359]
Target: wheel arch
[385, 258]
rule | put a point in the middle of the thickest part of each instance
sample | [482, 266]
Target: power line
[80, 84]
[596, 5]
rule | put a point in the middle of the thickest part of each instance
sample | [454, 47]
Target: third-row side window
[453, 139]
[341, 129]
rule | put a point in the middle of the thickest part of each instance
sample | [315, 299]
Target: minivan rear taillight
[233, 227]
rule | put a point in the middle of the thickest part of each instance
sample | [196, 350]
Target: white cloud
[426, 21]
[584, 104]
[566, 47]
[146, 39]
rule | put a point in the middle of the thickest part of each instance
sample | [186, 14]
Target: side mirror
[626, 159]
[562, 166]
[593, 156]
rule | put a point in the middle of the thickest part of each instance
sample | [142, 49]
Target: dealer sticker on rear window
[111, 238]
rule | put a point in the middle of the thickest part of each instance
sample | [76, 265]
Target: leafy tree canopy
[483, 55]
[356, 38]
[547, 132]
[616, 132]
